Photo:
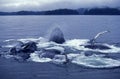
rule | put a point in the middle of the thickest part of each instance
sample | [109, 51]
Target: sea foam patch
[36, 58]
[93, 61]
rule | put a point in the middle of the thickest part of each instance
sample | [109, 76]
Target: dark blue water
[13, 27]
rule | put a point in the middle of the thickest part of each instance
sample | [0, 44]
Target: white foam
[95, 61]
[9, 40]
[8, 56]
[56, 48]
[28, 39]
[79, 45]
[12, 43]
[35, 57]
[59, 59]
[8, 46]
[76, 42]
[43, 44]
[113, 49]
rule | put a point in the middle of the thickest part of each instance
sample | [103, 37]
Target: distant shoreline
[59, 15]
[81, 11]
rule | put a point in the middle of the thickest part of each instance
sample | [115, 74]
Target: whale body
[93, 45]
[24, 50]
[97, 46]
[57, 36]
[49, 53]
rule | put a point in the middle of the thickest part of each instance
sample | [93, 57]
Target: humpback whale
[49, 53]
[93, 45]
[57, 36]
[29, 47]
[97, 46]
[92, 41]
[24, 50]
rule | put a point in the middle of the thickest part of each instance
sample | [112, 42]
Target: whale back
[57, 36]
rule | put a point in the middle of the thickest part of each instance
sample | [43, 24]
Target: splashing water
[75, 52]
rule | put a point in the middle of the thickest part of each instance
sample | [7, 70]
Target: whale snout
[57, 36]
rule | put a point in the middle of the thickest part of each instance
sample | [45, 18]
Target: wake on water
[75, 50]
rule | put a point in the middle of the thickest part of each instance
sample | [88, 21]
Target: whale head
[57, 36]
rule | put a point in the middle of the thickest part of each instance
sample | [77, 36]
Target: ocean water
[78, 30]
[83, 27]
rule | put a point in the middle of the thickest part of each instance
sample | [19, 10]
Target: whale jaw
[57, 36]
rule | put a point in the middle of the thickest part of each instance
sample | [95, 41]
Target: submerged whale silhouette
[52, 53]
[57, 36]
[97, 46]
[49, 53]
[24, 50]
[93, 45]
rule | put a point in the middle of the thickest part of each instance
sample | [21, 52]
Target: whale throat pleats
[57, 36]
